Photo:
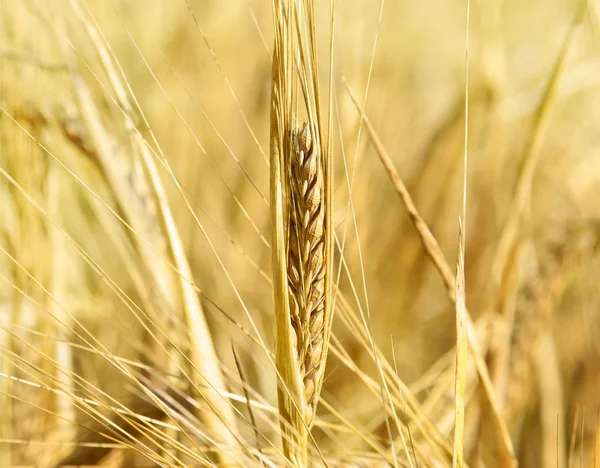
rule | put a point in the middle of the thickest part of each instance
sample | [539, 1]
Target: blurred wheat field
[137, 322]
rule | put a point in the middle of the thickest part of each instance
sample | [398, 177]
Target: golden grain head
[306, 266]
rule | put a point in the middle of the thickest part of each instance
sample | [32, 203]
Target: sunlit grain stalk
[147, 208]
[301, 215]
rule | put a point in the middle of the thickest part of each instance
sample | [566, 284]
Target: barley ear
[290, 393]
[306, 262]
[301, 211]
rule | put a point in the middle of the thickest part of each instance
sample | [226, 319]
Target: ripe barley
[301, 212]
[306, 267]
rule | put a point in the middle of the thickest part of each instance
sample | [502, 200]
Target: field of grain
[344, 233]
